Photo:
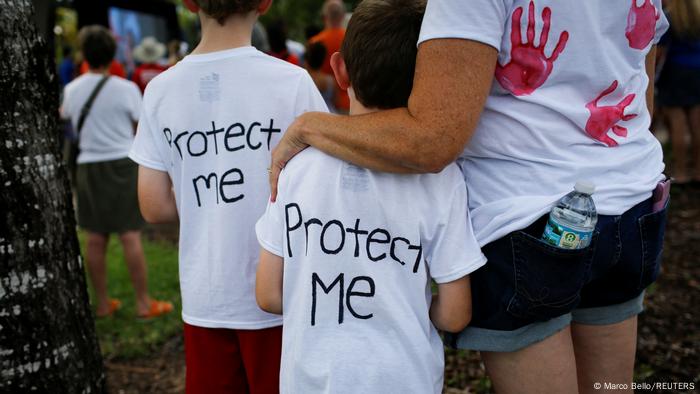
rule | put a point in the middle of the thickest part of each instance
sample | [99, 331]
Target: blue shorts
[529, 290]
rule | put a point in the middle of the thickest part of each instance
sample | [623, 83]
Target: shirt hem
[463, 36]
[147, 163]
[267, 246]
[101, 158]
[264, 243]
[473, 266]
[508, 228]
[232, 324]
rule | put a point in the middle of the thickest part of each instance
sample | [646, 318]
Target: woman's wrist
[311, 124]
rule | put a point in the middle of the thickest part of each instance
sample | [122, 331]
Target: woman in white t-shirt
[531, 96]
[106, 177]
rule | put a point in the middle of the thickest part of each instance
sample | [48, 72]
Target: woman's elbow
[445, 142]
[438, 158]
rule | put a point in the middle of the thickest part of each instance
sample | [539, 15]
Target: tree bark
[47, 334]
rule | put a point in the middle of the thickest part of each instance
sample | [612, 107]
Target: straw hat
[149, 51]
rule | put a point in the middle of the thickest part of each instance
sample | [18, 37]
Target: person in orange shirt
[277, 35]
[332, 37]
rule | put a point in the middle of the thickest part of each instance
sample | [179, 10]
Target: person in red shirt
[148, 53]
[332, 37]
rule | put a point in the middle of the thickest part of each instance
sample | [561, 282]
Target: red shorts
[221, 360]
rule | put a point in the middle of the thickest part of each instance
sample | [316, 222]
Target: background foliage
[300, 13]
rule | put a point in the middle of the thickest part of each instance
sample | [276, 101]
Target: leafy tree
[297, 13]
[300, 13]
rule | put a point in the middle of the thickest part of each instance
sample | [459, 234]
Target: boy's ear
[191, 5]
[340, 71]
[264, 6]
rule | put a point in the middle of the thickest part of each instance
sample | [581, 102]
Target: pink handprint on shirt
[641, 24]
[529, 67]
[605, 118]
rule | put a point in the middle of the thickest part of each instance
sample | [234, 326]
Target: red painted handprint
[605, 118]
[529, 67]
[641, 24]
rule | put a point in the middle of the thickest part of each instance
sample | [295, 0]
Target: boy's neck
[356, 107]
[236, 32]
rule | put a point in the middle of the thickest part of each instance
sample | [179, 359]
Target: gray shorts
[509, 341]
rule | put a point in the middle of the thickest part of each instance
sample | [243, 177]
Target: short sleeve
[454, 251]
[270, 229]
[144, 150]
[661, 24]
[308, 97]
[479, 20]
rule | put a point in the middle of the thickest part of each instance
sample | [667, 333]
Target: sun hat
[149, 51]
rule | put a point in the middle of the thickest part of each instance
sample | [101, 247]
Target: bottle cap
[585, 187]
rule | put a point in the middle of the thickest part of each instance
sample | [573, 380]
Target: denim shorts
[529, 290]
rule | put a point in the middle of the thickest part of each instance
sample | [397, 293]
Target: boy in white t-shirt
[203, 145]
[348, 253]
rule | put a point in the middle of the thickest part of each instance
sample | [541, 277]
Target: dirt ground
[669, 334]
[669, 329]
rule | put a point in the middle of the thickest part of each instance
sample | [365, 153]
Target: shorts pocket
[548, 280]
[652, 228]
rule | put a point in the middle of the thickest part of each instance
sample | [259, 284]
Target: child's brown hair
[379, 50]
[222, 9]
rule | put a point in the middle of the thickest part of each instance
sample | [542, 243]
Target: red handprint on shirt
[641, 24]
[529, 67]
[605, 118]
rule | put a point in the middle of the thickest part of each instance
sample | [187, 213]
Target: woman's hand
[291, 143]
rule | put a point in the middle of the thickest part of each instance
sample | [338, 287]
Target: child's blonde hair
[685, 17]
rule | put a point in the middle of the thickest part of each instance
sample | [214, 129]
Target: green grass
[123, 335]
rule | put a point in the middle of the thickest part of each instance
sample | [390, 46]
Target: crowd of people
[151, 58]
[427, 143]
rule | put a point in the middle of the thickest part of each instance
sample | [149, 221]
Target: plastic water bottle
[573, 219]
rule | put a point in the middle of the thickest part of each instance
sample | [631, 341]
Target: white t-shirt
[210, 122]
[359, 250]
[579, 115]
[108, 131]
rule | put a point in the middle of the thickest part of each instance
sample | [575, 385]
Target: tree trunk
[47, 335]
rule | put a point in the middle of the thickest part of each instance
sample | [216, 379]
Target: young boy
[203, 144]
[348, 253]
